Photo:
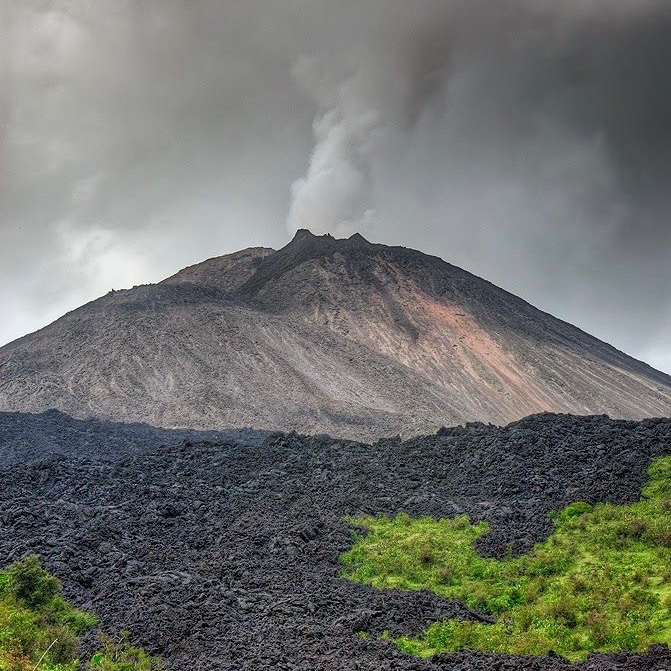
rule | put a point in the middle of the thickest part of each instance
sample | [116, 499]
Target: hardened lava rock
[225, 555]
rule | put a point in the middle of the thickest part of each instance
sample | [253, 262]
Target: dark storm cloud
[562, 130]
[526, 140]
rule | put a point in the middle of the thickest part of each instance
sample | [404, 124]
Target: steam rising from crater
[365, 97]
[335, 194]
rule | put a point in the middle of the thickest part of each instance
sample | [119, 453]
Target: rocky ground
[30, 437]
[224, 555]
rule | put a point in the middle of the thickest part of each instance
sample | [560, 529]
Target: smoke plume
[335, 195]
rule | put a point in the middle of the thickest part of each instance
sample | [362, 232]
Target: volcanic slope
[338, 336]
[227, 555]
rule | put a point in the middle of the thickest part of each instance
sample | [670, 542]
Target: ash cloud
[528, 141]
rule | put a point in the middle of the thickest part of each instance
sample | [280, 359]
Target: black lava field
[225, 555]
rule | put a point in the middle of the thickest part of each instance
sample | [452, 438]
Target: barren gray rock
[339, 336]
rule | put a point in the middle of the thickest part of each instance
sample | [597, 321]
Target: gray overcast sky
[528, 141]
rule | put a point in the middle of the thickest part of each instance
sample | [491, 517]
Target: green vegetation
[119, 655]
[601, 582]
[40, 630]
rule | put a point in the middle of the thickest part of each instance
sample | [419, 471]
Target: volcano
[326, 335]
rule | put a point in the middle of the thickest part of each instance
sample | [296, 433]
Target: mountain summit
[325, 335]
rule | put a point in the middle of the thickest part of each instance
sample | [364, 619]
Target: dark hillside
[28, 437]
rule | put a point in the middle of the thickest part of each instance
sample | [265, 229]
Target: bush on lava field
[40, 630]
[601, 582]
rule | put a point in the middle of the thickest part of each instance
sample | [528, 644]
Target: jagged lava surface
[225, 556]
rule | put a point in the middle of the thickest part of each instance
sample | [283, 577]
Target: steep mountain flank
[324, 335]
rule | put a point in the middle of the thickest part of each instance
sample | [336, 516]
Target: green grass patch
[600, 583]
[41, 631]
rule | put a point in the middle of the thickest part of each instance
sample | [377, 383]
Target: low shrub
[31, 584]
[40, 630]
[119, 655]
